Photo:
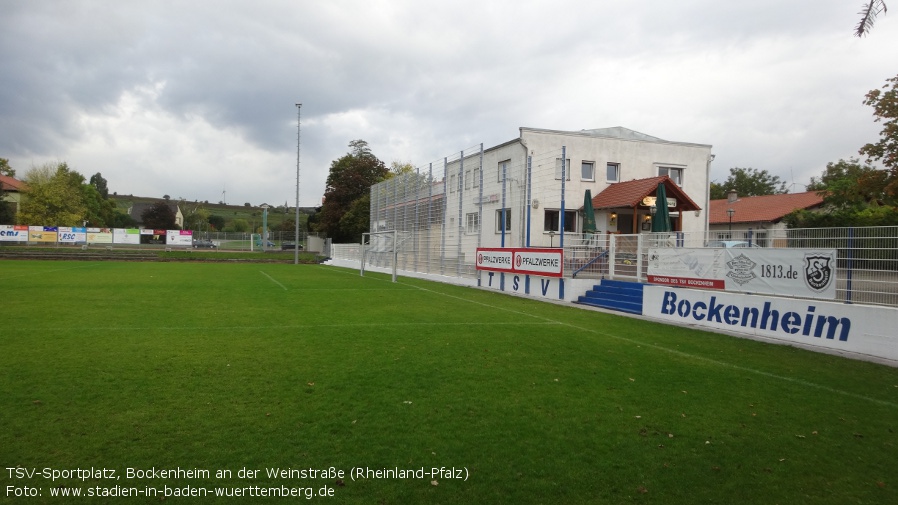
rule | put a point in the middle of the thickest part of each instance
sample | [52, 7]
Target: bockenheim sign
[793, 272]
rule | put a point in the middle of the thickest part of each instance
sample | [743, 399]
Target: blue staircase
[615, 295]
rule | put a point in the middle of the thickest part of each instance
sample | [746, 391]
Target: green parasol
[661, 219]
[589, 214]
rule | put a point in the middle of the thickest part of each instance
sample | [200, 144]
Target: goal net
[380, 249]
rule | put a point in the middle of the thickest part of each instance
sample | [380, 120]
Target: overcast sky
[195, 97]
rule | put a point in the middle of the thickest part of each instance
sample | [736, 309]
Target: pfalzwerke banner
[527, 261]
[792, 272]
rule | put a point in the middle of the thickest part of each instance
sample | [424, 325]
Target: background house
[756, 217]
[12, 190]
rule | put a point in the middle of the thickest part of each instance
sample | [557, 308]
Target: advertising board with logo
[525, 261]
[43, 234]
[13, 233]
[794, 272]
[99, 235]
[130, 236]
[72, 235]
[179, 238]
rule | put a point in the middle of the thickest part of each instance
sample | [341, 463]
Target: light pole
[731, 212]
[296, 236]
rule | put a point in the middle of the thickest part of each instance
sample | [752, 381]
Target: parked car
[204, 244]
[731, 244]
[290, 246]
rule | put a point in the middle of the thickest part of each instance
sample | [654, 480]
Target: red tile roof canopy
[766, 209]
[629, 194]
[8, 183]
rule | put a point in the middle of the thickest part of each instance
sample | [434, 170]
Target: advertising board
[794, 272]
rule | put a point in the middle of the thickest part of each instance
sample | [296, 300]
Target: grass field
[114, 365]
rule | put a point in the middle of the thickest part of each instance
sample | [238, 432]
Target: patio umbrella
[589, 214]
[661, 219]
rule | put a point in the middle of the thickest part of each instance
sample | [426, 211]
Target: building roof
[8, 183]
[767, 209]
[619, 132]
[629, 194]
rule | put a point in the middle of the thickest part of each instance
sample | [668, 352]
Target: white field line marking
[272, 280]
[47, 271]
[286, 327]
[692, 356]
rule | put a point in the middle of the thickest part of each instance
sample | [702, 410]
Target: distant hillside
[252, 214]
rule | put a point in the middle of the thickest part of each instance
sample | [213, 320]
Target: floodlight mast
[298, 144]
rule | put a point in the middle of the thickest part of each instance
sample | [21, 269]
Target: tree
[5, 169]
[850, 185]
[868, 13]
[748, 182]
[885, 109]
[240, 225]
[195, 218]
[98, 182]
[350, 179]
[159, 216]
[217, 222]
[55, 197]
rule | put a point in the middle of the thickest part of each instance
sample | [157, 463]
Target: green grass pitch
[219, 368]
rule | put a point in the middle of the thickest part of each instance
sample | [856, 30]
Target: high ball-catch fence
[444, 211]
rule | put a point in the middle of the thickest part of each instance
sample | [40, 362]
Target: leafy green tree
[869, 11]
[885, 109]
[195, 217]
[350, 179]
[217, 222]
[748, 182]
[100, 184]
[848, 184]
[55, 197]
[240, 225]
[5, 169]
[159, 216]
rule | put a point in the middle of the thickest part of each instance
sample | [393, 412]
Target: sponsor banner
[13, 233]
[99, 236]
[148, 236]
[796, 272]
[526, 261]
[72, 235]
[496, 260]
[43, 234]
[179, 238]
[126, 236]
[854, 328]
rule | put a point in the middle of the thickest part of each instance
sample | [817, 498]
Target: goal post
[380, 248]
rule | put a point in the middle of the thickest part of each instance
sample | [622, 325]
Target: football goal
[379, 249]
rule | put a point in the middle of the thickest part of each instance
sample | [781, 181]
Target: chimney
[732, 196]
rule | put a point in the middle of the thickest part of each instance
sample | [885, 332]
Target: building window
[588, 171]
[452, 183]
[468, 179]
[472, 223]
[612, 172]
[676, 174]
[476, 175]
[553, 218]
[499, 220]
[567, 169]
[506, 164]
